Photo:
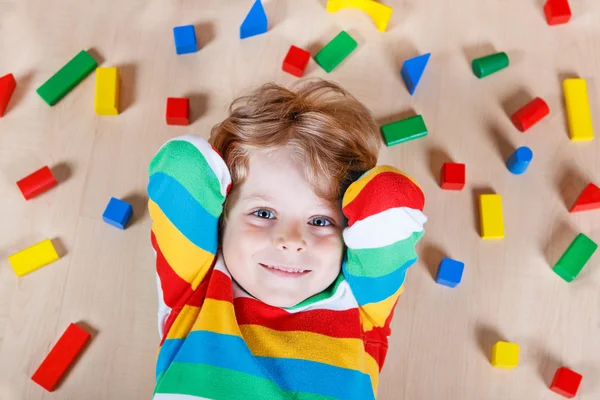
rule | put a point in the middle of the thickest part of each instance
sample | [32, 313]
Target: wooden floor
[442, 337]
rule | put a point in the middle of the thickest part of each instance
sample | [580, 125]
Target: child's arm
[188, 185]
[385, 221]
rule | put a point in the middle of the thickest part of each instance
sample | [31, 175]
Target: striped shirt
[218, 342]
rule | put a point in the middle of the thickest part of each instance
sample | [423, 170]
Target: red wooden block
[557, 12]
[530, 114]
[37, 182]
[453, 176]
[589, 199]
[566, 382]
[60, 357]
[178, 111]
[295, 61]
[7, 87]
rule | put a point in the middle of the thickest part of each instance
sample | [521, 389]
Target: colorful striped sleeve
[385, 216]
[188, 185]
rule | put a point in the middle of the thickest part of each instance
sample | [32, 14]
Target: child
[281, 250]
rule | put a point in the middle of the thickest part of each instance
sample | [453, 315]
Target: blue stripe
[373, 290]
[192, 220]
[231, 352]
[167, 353]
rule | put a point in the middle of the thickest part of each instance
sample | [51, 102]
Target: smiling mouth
[285, 270]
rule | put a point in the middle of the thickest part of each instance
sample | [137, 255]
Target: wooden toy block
[518, 161]
[566, 382]
[106, 98]
[449, 272]
[453, 176]
[490, 64]
[334, 52]
[256, 21]
[34, 257]
[404, 130]
[505, 355]
[178, 111]
[589, 199]
[67, 77]
[578, 110]
[379, 13]
[557, 12]
[37, 182]
[575, 257]
[61, 356]
[7, 87]
[412, 70]
[530, 114]
[117, 213]
[295, 61]
[185, 39]
[492, 220]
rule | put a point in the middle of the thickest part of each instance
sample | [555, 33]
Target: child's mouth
[285, 271]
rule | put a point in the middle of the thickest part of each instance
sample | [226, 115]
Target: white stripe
[213, 159]
[163, 309]
[384, 228]
[169, 396]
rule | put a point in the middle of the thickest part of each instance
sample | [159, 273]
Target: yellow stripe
[184, 322]
[189, 261]
[343, 353]
[355, 188]
[217, 316]
[375, 314]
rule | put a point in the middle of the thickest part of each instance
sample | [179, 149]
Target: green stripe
[220, 383]
[380, 261]
[186, 164]
[324, 295]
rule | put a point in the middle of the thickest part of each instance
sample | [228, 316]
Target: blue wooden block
[412, 70]
[518, 162]
[255, 22]
[449, 272]
[185, 39]
[117, 213]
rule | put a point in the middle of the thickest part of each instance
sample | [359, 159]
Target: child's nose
[291, 241]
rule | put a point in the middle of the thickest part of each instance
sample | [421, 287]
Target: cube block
[453, 176]
[185, 39]
[505, 355]
[449, 272]
[178, 111]
[117, 213]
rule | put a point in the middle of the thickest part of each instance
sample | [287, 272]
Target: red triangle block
[589, 199]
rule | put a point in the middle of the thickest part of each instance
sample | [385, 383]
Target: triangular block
[589, 199]
[255, 22]
[412, 70]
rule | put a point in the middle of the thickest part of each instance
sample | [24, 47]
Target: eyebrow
[258, 196]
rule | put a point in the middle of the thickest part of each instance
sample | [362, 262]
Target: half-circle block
[379, 13]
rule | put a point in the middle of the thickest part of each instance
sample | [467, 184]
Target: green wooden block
[335, 51]
[404, 130]
[487, 65]
[67, 77]
[574, 259]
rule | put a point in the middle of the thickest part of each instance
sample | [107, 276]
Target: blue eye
[321, 221]
[261, 213]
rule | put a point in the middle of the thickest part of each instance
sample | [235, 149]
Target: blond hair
[330, 132]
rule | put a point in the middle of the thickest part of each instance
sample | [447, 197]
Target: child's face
[278, 221]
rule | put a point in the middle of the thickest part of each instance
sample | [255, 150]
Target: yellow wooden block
[379, 13]
[505, 355]
[492, 220]
[106, 99]
[33, 257]
[578, 110]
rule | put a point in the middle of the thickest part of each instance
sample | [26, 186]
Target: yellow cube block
[578, 110]
[505, 355]
[492, 220]
[33, 257]
[379, 13]
[106, 99]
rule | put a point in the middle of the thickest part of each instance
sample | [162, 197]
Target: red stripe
[386, 190]
[220, 287]
[338, 324]
[376, 340]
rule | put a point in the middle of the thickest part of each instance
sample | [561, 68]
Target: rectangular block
[492, 219]
[404, 130]
[60, 357]
[185, 39]
[335, 51]
[578, 110]
[505, 355]
[106, 97]
[7, 87]
[32, 258]
[575, 257]
[37, 183]
[67, 77]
